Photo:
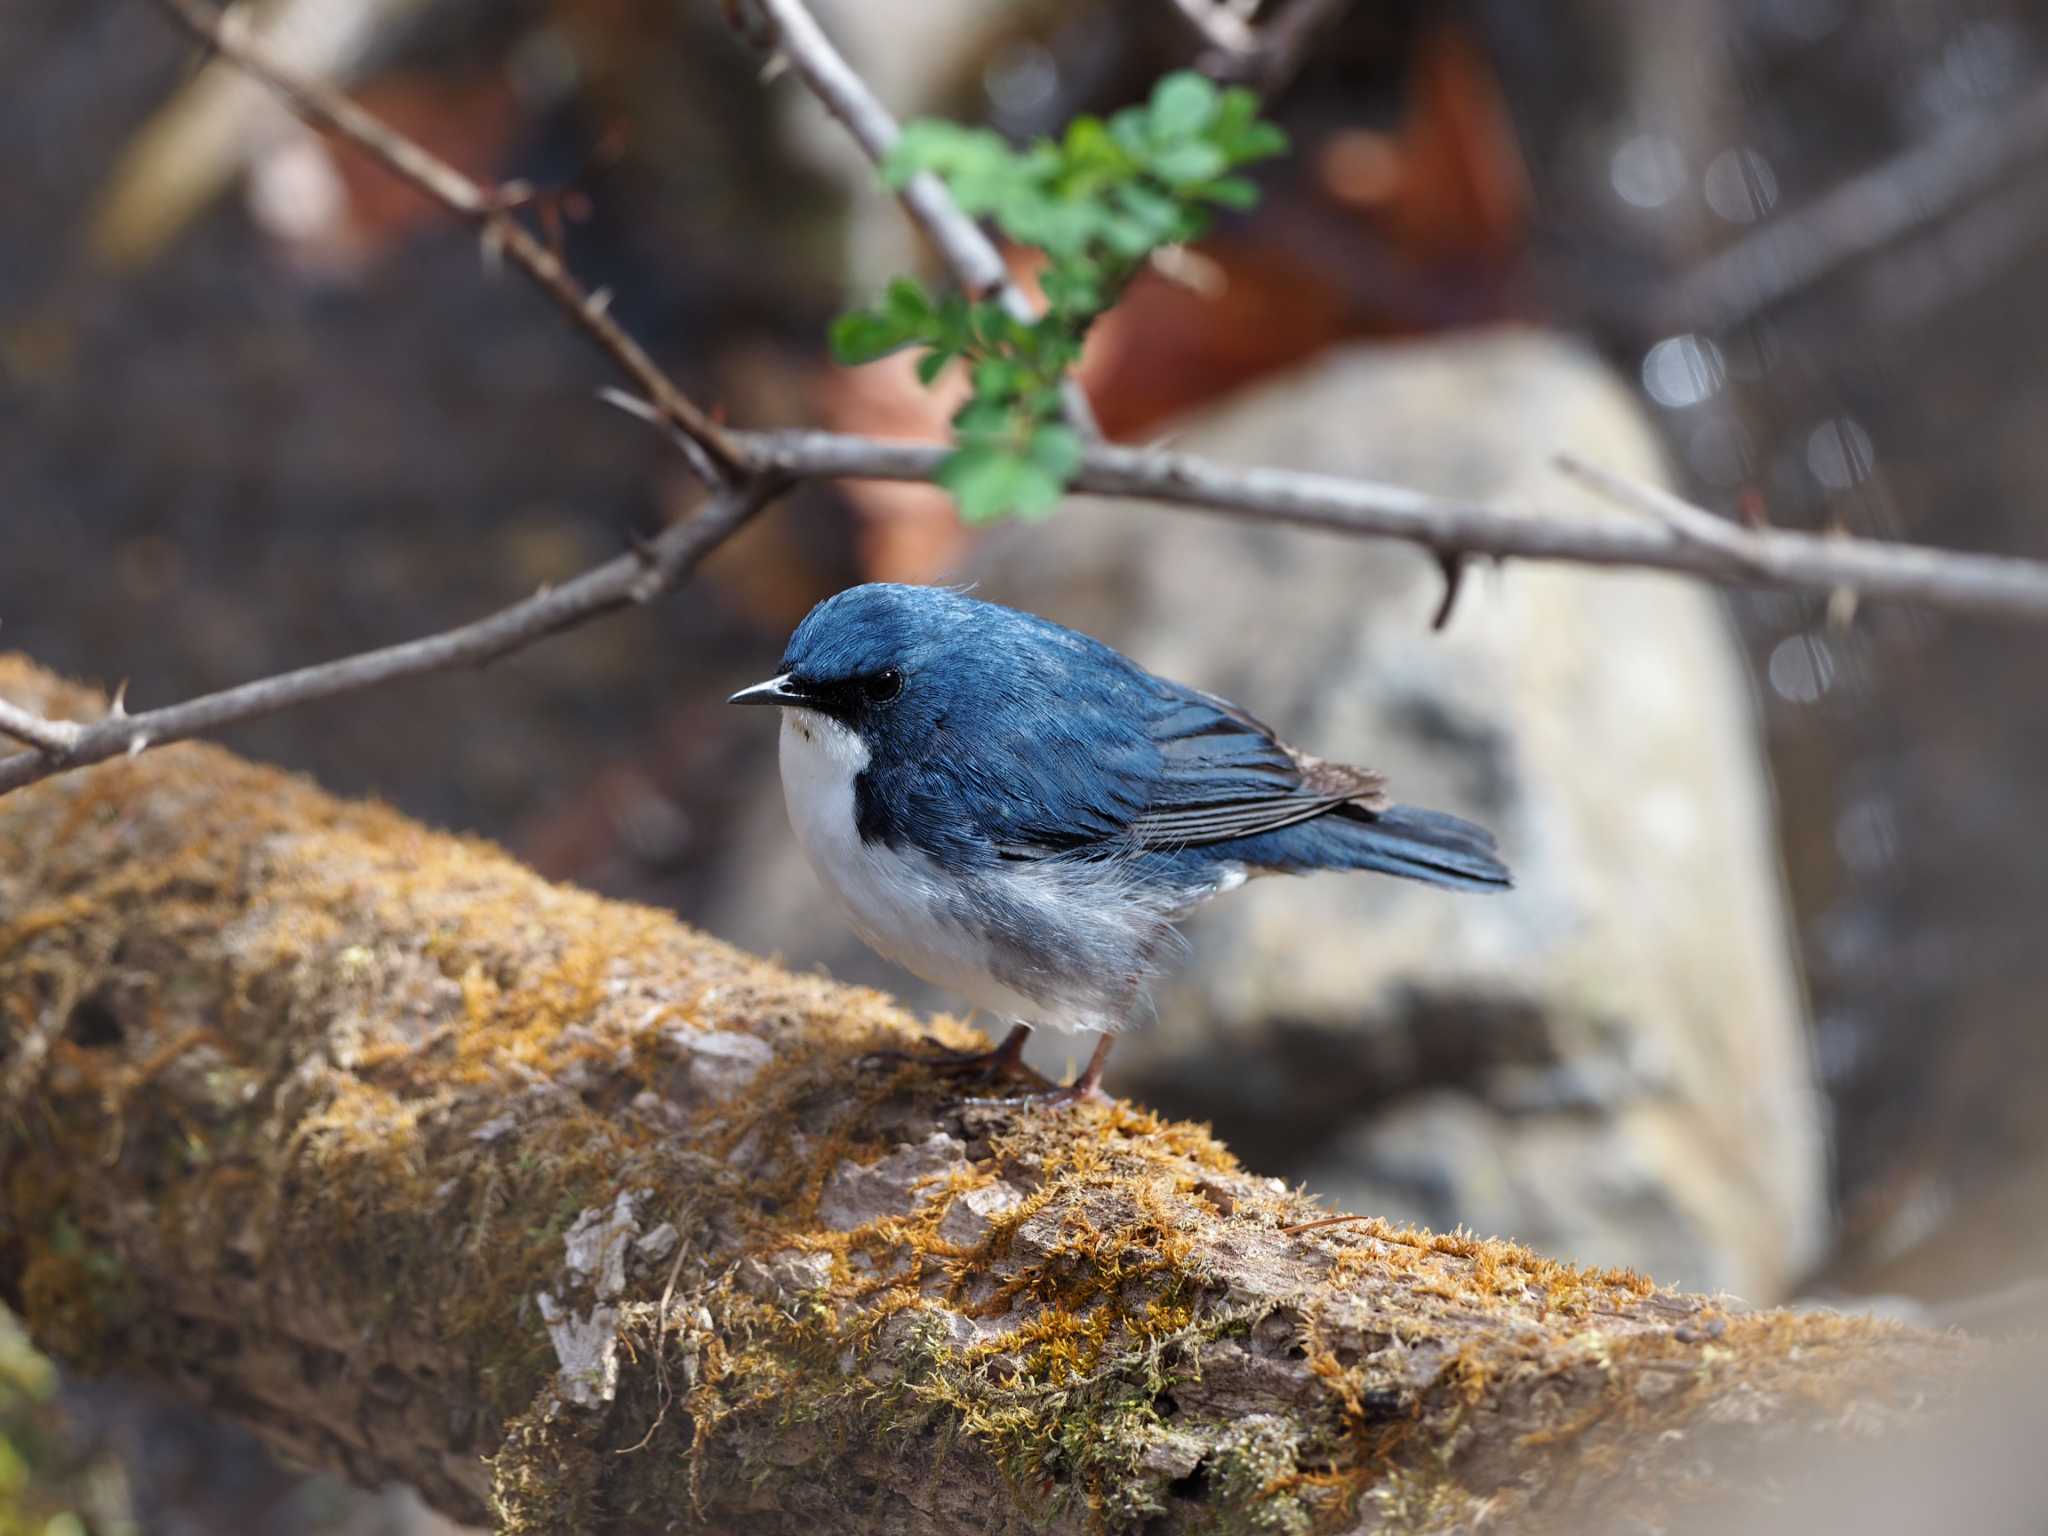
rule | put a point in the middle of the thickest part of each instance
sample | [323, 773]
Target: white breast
[894, 900]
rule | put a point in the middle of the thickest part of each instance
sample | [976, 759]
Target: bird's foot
[1054, 1098]
[1085, 1089]
[998, 1062]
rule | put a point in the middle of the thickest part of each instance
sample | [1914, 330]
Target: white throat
[895, 899]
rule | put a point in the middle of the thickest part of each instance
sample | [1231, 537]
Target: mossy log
[578, 1220]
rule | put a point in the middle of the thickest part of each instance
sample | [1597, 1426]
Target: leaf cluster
[1098, 201]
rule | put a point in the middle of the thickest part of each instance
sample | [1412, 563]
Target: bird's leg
[1089, 1084]
[1084, 1089]
[1004, 1060]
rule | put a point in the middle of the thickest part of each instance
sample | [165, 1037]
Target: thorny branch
[1266, 56]
[755, 467]
[1221, 27]
[1860, 217]
[1993, 585]
[49, 736]
[324, 107]
[663, 563]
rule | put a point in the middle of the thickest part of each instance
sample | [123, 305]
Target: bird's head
[881, 660]
[909, 672]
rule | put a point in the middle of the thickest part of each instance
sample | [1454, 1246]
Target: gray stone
[586, 1346]
[785, 1275]
[722, 1064]
[973, 1211]
[857, 1194]
[595, 1244]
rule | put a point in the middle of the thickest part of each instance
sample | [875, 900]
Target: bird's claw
[1055, 1099]
[997, 1062]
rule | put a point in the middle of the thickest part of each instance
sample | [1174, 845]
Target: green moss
[1253, 1474]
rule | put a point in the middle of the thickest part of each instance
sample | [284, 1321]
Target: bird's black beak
[777, 690]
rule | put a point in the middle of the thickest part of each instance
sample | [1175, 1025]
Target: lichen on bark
[579, 1219]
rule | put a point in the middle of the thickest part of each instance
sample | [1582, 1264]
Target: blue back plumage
[1015, 738]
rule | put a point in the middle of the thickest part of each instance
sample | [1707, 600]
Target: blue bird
[1019, 814]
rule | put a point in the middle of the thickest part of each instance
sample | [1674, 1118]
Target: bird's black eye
[881, 687]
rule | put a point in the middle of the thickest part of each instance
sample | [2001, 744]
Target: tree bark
[577, 1219]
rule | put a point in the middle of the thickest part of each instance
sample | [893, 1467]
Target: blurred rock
[1611, 1062]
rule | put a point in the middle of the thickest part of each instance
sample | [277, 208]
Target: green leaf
[1159, 215]
[1261, 141]
[862, 335]
[1182, 104]
[906, 302]
[983, 418]
[1074, 289]
[953, 325]
[1057, 227]
[1057, 451]
[1091, 149]
[932, 364]
[1186, 163]
[1130, 130]
[995, 378]
[1238, 132]
[989, 481]
[1232, 192]
[904, 316]
[983, 173]
[1128, 239]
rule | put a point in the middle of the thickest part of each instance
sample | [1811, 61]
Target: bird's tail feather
[1434, 847]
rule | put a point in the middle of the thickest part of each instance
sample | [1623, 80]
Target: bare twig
[1221, 27]
[324, 107]
[629, 579]
[1693, 524]
[1993, 585]
[970, 254]
[1872, 210]
[1288, 38]
[51, 737]
[656, 567]
[1677, 537]
[1265, 57]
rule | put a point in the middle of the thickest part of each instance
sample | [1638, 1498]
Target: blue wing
[1105, 758]
[1055, 745]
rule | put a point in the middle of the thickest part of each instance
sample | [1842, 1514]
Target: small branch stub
[55, 738]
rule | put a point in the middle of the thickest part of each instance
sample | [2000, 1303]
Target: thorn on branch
[655, 417]
[507, 196]
[642, 546]
[1221, 27]
[1452, 564]
[491, 242]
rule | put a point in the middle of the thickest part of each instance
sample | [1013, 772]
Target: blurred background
[1767, 1012]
